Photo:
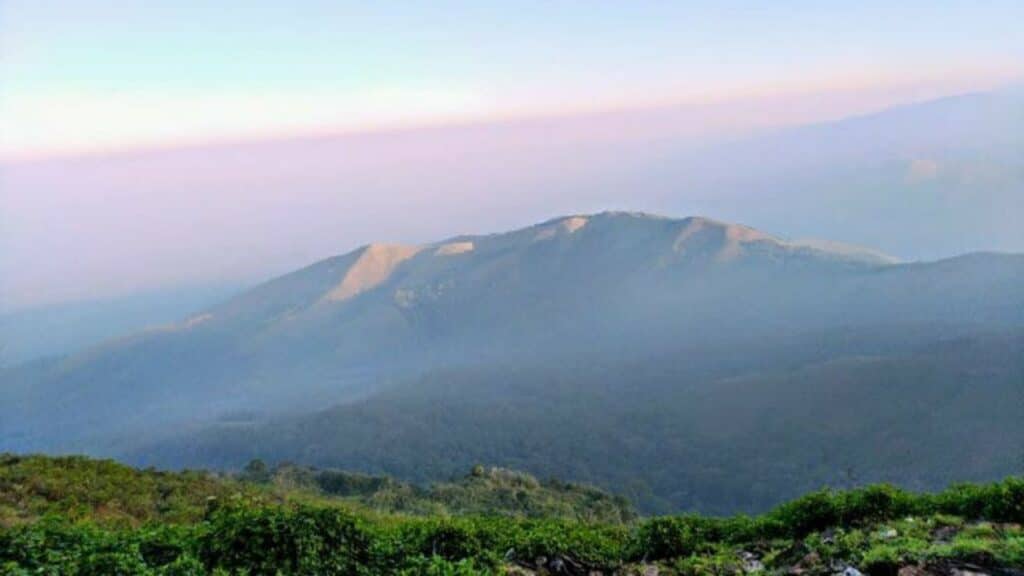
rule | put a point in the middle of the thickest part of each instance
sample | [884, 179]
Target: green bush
[814, 512]
[302, 541]
[877, 503]
[879, 527]
[999, 501]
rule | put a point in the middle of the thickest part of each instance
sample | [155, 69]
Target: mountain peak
[655, 236]
[690, 236]
[373, 266]
[727, 240]
[565, 225]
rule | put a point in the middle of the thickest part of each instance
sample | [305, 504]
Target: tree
[256, 471]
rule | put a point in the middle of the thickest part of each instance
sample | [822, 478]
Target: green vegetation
[87, 517]
[111, 494]
[107, 493]
[722, 432]
[483, 491]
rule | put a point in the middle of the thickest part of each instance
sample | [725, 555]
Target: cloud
[96, 121]
[922, 170]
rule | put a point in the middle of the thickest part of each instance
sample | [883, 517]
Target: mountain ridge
[725, 241]
[732, 235]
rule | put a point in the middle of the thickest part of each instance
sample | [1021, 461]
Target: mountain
[617, 348]
[925, 180]
[65, 328]
[676, 432]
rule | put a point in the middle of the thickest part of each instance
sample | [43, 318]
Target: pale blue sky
[80, 75]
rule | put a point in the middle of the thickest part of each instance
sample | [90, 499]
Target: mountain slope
[70, 327]
[673, 436]
[665, 305]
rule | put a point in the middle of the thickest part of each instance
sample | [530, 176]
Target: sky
[146, 145]
[87, 76]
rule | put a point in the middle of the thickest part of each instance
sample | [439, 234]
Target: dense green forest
[722, 432]
[80, 516]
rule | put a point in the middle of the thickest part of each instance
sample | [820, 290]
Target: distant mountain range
[689, 363]
[67, 327]
[924, 180]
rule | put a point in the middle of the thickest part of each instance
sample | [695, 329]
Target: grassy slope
[81, 516]
[111, 494]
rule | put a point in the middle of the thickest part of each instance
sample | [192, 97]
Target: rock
[563, 564]
[972, 571]
[750, 562]
[914, 570]
[650, 570]
[851, 571]
[958, 568]
[807, 564]
[945, 533]
[889, 533]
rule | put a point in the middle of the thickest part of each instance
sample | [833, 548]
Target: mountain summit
[611, 242]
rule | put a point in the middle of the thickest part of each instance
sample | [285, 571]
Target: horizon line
[510, 119]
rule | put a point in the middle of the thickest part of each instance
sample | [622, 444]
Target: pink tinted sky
[155, 144]
[110, 224]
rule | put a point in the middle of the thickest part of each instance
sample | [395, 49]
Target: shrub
[811, 513]
[303, 541]
[1000, 501]
[243, 534]
[676, 537]
[877, 503]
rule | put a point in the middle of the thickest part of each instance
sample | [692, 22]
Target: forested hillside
[704, 434]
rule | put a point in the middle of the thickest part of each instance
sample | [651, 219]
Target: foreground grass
[80, 516]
